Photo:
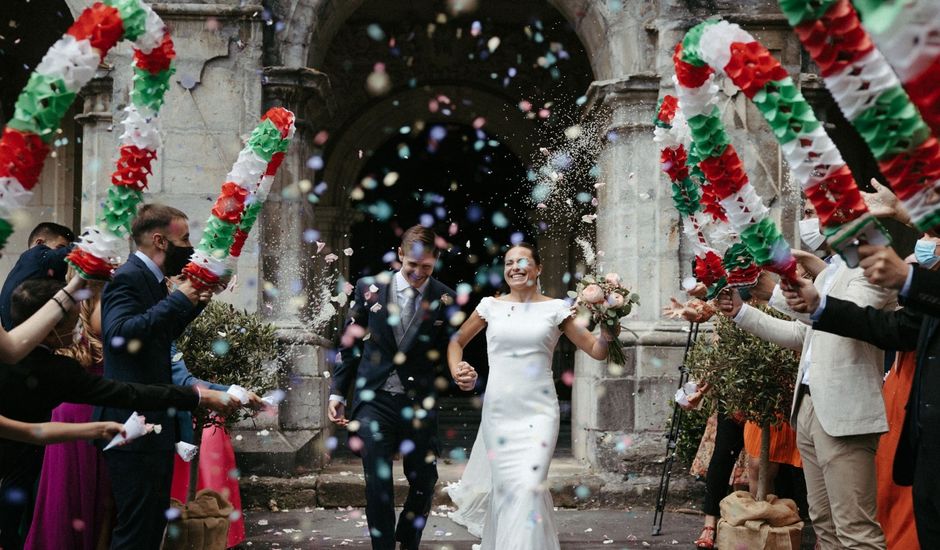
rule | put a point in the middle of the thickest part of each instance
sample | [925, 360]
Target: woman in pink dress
[73, 503]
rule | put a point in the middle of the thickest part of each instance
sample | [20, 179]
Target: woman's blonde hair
[88, 350]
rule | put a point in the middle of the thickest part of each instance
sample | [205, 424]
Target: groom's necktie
[408, 308]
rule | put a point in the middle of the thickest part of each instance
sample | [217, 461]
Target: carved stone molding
[294, 87]
[96, 99]
[622, 102]
[194, 11]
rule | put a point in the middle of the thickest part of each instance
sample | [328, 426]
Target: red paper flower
[837, 198]
[786, 270]
[201, 278]
[231, 203]
[744, 276]
[725, 172]
[157, 60]
[709, 269]
[673, 162]
[281, 117]
[689, 75]
[21, 156]
[836, 39]
[711, 204]
[924, 92]
[667, 109]
[751, 67]
[238, 243]
[101, 25]
[276, 160]
[89, 264]
[133, 167]
[910, 172]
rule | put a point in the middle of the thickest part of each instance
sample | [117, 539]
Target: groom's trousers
[388, 424]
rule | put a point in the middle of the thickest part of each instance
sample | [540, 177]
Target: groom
[391, 351]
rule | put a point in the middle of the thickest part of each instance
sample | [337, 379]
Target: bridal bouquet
[606, 301]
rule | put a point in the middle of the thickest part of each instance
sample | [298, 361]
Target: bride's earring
[538, 282]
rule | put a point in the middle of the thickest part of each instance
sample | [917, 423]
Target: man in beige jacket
[838, 410]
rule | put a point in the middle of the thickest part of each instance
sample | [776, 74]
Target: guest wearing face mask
[140, 320]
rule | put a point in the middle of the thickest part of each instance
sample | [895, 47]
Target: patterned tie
[408, 307]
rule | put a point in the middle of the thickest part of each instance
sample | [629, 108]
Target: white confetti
[375, 308]
[348, 251]
[330, 258]
[320, 245]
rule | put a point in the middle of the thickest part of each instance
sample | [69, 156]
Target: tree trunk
[763, 484]
[194, 465]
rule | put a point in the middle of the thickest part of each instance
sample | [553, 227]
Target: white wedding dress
[519, 430]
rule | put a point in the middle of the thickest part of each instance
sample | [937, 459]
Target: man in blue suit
[394, 372]
[49, 244]
[140, 320]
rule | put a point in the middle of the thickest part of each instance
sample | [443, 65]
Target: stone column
[98, 148]
[619, 412]
[292, 441]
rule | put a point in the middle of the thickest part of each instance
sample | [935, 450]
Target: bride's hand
[466, 376]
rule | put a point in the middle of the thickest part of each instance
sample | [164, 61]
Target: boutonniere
[447, 299]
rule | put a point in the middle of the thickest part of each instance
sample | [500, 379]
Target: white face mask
[809, 233]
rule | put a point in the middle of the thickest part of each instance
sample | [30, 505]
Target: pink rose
[612, 279]
[592, 294]
[615, 300]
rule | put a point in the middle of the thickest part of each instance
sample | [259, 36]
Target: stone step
[572, 485]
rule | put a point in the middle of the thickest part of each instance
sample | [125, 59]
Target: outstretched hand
[885, 204]
[694, 311]
[801, 295]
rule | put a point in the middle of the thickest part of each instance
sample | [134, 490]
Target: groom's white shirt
[401, 286]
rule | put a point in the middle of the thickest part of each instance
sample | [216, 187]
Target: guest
[31, 388]
[837, 408]
[912, 328]
[140, 320]
[49, 243]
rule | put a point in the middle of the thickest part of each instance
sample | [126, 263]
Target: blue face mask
[925, 253]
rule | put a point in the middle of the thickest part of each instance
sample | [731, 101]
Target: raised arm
[585, 340]
[121, 305]
[462, 372]
[886, 329]
[17, 343]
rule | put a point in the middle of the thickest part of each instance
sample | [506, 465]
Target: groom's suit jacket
[365, 362]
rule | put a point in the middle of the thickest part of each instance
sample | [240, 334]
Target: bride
[517, 436]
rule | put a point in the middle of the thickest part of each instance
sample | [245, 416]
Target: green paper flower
[149, 90]
[6, 229]
[250, 215]
[892, 125]
[132, 15]
[737, 256]
[798, 11]
[691, 53]
[928, 222]
[119, 209]
[693, 164]
[760, 238]
[217, 237]
[266, 140]
[785, 109]
[41, 106]
[879, 15]
[709, 134]
[686, 195]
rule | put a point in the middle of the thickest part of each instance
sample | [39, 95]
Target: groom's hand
[337, 413]
[466, 377]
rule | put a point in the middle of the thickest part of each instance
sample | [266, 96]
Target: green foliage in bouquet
[225, 345]
[747, 374]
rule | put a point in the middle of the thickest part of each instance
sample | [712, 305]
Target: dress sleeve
[483, 308]
[562, 312]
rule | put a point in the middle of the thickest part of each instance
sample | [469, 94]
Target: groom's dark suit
[390, 422]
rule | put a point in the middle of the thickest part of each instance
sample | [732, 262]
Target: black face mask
[176, 259]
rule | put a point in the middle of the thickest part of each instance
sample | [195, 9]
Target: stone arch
[312, 25]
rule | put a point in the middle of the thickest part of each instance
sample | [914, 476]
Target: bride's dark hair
[531, 248]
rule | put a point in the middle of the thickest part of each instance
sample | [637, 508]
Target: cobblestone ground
[578, 529]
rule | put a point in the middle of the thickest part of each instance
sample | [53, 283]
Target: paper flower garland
[814, 160]
[68, 65]
[906, 33]
[872, 98]
[707, 229]
[241, 199]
